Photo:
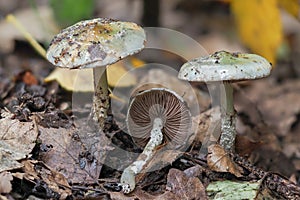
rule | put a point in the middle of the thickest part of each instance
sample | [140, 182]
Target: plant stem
[12, 19]
[128, 175]
[228, 118]
[101, 96]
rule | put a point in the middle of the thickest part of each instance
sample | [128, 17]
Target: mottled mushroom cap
[94, 43]
[225, 66]
[164, 104]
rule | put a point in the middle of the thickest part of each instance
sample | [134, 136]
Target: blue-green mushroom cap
[225, 66]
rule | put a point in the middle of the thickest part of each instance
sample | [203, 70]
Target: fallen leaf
[5, 182]
[73, 80]
[194, 171]
[116, 71]
[161, 158]
[81, 80]
[218, 160]
[76, 153]
[180, 186]
[17, 139]
[35, 170]
[259, 25]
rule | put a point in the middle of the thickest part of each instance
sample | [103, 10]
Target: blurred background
[269, 28]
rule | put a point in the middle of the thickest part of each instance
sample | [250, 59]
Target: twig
[276, 183]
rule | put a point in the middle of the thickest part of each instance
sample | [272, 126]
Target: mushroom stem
[101, 96]
[128, 175]
[228, 117]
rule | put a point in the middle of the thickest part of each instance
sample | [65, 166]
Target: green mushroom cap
[94, 43]
[225, 66]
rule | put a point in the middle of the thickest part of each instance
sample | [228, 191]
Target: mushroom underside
[163, 104]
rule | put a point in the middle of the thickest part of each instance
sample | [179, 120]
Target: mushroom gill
[163, 104]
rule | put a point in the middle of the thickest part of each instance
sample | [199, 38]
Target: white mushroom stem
[228, 117]
[128, 175]
[101, 96]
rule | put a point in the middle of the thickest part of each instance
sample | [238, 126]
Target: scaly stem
[101, 96]
[228, 118]
[128, 175]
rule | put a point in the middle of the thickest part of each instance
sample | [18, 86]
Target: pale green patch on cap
[225, 66]
[94, 43]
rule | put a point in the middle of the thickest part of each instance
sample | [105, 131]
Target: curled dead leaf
[35, 171]
[177, 183]
[219, 160]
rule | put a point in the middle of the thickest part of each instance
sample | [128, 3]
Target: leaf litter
[73, 155]
[78, 153]
[17, 140]
[64, 133]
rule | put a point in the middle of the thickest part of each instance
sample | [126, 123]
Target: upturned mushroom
[154, 117]
[96, 44]
[225, 68]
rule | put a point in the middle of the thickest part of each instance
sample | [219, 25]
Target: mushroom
[225, 68]
[96, 44]
[154, 116]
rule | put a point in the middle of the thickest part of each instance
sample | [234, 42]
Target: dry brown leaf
[29, 171]
[76, 153]
[35, 171]
[17, 140]
[162, 158]
[5, 182]
[218, 160]
[180, 186]
[194, 171]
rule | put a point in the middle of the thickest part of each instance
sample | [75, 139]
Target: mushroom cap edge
[95, 43]
[225, 66]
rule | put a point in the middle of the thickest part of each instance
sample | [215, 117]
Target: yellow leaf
[82, 80]
[259, 25]
[135, 62]
[73, 80]
[291, 6]
[115, 73]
